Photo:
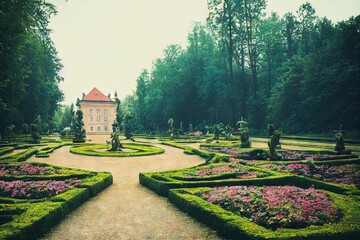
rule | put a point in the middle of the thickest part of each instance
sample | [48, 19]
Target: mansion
[99, 112]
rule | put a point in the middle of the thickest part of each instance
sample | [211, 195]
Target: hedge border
[233, 226]
[38, 216]
[80, 150]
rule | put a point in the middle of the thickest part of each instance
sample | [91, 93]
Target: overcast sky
[107, 43]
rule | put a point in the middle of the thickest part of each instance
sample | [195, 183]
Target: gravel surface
[126, 210]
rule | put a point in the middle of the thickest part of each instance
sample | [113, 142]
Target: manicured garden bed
[223, 174]
[242, 212]
[129, 150]
[35, 196]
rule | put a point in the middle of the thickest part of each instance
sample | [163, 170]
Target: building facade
[99, 112]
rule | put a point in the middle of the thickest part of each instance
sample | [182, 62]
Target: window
[90, 111]
[91, 119]
[98, 111]
[105, 119]
[91, 128]
[106, 128]
[105, 111]
[98, 119]
[98, 128]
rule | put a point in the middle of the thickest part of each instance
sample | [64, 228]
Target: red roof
[96, 95]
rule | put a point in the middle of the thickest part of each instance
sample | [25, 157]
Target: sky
[107, 43]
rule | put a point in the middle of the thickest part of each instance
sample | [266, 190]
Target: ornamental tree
[77, 127]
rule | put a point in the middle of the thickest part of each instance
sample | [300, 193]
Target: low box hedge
[30, 218]
[161, 182]
[234, 226]
[19, 157]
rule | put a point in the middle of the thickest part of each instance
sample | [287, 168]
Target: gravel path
[126, 210]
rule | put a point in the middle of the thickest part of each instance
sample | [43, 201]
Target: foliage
[29, 69]
[8, 133]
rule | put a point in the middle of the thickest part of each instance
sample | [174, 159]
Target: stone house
[99, 112]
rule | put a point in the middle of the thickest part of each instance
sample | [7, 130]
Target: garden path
[126, 210]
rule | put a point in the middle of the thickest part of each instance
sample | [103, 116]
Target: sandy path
[126, 210]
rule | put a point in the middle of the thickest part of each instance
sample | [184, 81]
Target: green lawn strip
[161, 182]
[6, 150]
[137, 150]
[234, 226]
[19, 157]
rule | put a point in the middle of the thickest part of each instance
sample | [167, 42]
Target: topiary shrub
[8, 132]
[244, 134]
[274, 140]
[35, 134]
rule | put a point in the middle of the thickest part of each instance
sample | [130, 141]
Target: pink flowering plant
[219, 171]
[276, 206]
[345, 174]
[24, 169]
[35, 189]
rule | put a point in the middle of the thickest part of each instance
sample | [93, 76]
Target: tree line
[298, 71]
[29, 65]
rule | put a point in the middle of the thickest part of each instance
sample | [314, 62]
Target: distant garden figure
[115, 140]
[171, 127]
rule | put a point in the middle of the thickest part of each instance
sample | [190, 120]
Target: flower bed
[234, 226]
[35, 189]
[276, 206]
[24, 169]
[345, 174]
[221, 171]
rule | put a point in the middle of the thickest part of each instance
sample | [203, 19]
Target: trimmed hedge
[44, 153]
[234, 226]
[29, 219]
[139, 150]
[5, 150]
[19, 157]
[162, 182]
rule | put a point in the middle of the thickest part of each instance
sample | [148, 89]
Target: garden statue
[115, 142]
[244, 134]
[339, 146]
[274, 140]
